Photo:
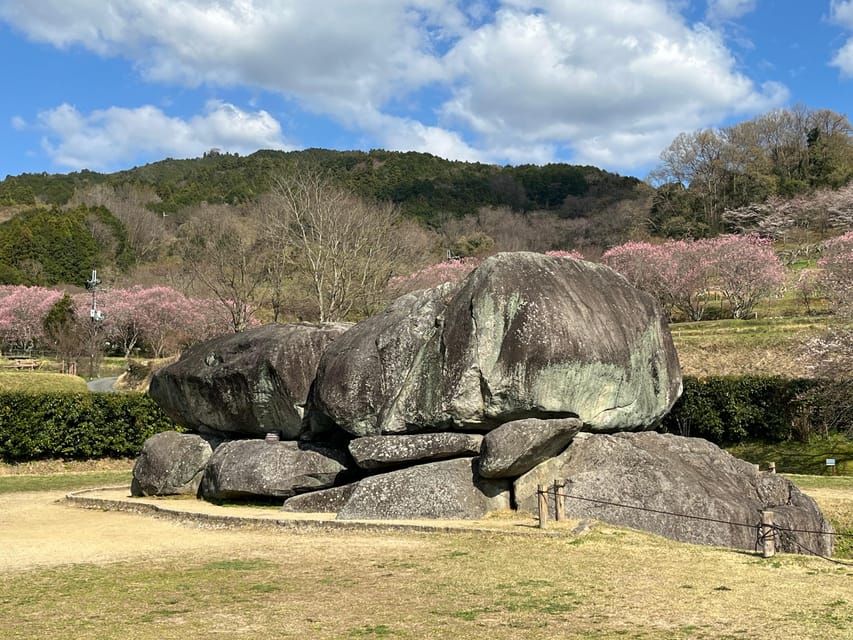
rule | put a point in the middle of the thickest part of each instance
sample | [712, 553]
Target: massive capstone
[245, 384]
[525, 336]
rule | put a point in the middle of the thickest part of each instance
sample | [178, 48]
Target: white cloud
[613, 81]
[18, 123]
[104, 139]
[723, 10]
[841, 12]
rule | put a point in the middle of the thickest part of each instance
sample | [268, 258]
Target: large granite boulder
[378, 452]
[171, 463]
[449, 489]
[245, 384]
[717, 498]
[516, 447]
[526, 336]
[364, 381]
[245, 468]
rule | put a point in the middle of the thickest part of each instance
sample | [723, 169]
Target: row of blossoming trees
[685, 276]
[158, 320]
[682, 275]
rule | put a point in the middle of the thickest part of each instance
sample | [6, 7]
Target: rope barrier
[763, 532]
[685, 515]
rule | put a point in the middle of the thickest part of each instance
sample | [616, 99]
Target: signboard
[830, 462]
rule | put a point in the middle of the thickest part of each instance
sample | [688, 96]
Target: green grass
[460, 587]
[63, 481]
[41, 382]
[807, 458]
[767, 346]
[806, 483]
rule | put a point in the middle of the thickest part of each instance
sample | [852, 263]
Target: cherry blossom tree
[22, 314]
[676, 273]
[831, 354]
[837, 263]
[452, 270]
[746, 270]
[681, 273]
[163, 318]
[808, 288]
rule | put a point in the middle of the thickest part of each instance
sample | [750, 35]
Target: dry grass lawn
[73, 573]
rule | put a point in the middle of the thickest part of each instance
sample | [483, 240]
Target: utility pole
[92, 285]
[97, 317]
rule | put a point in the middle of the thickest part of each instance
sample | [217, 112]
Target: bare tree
[226, 259]
[334, 245]
[147, 232]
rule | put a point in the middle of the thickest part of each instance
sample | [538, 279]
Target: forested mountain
[469, 208]
[424, 185]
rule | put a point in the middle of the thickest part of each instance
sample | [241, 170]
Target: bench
[23, 363]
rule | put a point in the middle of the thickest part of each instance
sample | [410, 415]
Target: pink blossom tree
[746, 270]
[161, 318]
[831, 354]
[675, 273]
[681, 273]
[22, 314]
[837, 263]
[452, 270]
[686, 270]
[808, 288]
[167, 320]
[565, 254]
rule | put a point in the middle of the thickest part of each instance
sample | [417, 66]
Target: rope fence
[767, 533]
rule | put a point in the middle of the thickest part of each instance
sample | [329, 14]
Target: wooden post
[543, 506]
[768, 536]
[559, 501]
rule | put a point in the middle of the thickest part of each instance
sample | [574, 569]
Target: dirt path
[41, 529]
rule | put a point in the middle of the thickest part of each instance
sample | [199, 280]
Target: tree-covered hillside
[424, 185]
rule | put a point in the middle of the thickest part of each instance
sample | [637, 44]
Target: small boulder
[378, 452]
[323, 501]
[171, 463]
[450, 490]
[686, 489]
[245, 384]
[516, 447]
[246, 468]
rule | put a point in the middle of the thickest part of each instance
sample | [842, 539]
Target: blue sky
[111, 84]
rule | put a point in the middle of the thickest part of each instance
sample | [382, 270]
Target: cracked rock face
[526, 336]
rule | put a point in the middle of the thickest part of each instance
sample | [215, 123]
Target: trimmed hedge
[77, 425]
[728, 410]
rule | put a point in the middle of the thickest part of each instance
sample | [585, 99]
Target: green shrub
[77, 425]
[731, 409]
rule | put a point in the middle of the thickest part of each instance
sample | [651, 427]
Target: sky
[107, 85]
